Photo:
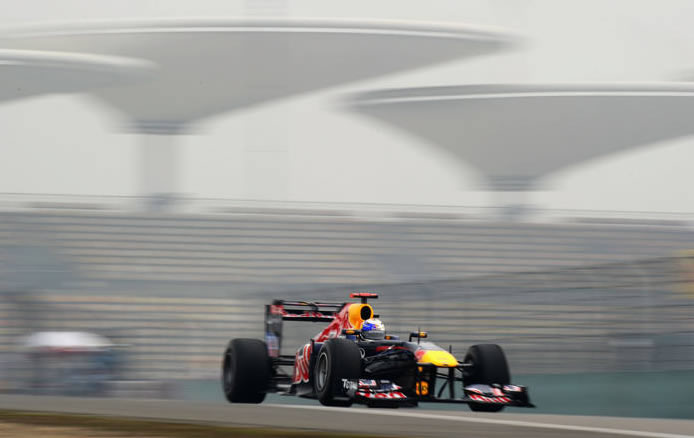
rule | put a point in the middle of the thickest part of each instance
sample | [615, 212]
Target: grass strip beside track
[135, 427]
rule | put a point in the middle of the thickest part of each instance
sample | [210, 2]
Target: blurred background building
[276, 184]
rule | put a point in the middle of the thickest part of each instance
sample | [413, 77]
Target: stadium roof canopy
[210, 66]
[517, 134]
[25, 73]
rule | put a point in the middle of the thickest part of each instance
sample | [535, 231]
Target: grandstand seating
[173, 288]
[272, 251]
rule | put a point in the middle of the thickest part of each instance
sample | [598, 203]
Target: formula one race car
[354, 360]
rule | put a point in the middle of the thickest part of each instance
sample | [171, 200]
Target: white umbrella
[66, 341]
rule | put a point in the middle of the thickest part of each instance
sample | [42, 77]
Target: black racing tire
[337, 359]
[246, 371]
[489, 366]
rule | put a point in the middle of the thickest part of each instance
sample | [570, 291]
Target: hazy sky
[72, 144]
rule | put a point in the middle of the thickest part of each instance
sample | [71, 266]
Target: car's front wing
[385, 392]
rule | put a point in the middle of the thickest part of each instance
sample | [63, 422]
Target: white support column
[159, 163]
[511, 194]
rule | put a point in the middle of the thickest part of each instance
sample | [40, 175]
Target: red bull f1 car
[341, 365]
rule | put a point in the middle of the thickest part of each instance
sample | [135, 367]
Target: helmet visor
[374, 334]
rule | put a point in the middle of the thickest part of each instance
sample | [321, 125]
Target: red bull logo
[302, 363]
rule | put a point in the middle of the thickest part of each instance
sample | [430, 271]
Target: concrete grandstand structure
[253, 252]
[174, 287]
[208, 67]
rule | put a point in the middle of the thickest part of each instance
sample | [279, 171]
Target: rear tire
[489, 366]
[338, 359]
[246, 371]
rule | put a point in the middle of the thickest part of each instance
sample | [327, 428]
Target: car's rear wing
[289, 310]
[312, 311]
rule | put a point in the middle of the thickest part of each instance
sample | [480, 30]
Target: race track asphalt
[394, 422]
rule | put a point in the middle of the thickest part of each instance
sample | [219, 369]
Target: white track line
[494, 421]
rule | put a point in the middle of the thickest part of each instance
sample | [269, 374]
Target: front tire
[246, 370]
[338, 359]
[489, 366]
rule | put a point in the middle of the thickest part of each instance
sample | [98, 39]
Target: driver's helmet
[373, 329]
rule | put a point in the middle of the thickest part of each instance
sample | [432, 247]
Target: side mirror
[418, 335]
[351, 332]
